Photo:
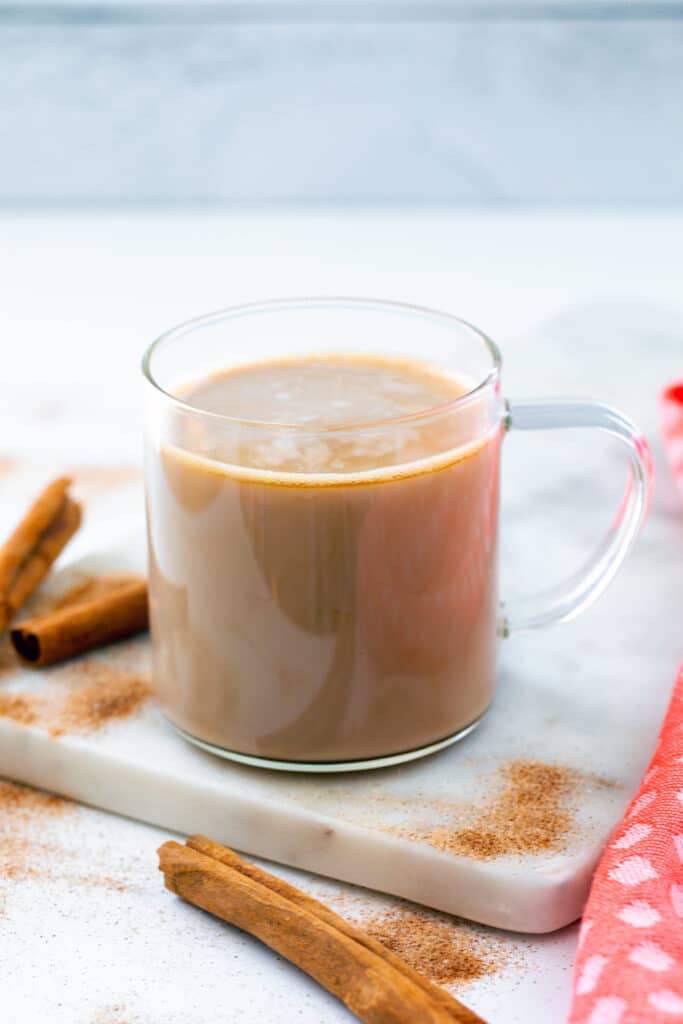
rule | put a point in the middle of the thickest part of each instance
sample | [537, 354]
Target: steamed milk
[323, 596]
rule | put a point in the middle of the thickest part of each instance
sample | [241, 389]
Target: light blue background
[476, 103]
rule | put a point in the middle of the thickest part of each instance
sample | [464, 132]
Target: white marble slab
[337, 826]
[588, 696]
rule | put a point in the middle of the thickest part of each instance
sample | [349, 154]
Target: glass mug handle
[567, 600]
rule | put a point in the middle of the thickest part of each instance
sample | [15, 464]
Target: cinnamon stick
[458, 1013]
[365, 978]
[28, 553]
[91, 622]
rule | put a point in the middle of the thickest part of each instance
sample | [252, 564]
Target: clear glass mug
[310, 616]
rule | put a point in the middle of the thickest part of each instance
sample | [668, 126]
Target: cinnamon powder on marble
[102, 694]
[21, 813]
[110, 1015]
[19, 708]
[20, 803]
[435, 946]
[25, 818]
[529, 814]
[97, 694]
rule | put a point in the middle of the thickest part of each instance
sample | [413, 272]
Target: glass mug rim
[331, 302]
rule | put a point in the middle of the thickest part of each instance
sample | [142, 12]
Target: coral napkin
[672, 429]
[629, 965]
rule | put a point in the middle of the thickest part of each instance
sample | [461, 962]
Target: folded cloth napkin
[629, 965]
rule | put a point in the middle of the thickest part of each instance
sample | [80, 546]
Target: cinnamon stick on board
[373, 983]
[26, 556]
[100, 619]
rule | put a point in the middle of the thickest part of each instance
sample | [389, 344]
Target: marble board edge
[539, 901]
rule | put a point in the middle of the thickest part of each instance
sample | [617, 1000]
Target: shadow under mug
[322, 619]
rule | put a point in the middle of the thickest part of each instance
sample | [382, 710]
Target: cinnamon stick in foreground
[27, 555]
[373, 983]
[458, 1013]
[79, 627]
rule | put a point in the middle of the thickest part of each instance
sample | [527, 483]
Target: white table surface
[80, 296]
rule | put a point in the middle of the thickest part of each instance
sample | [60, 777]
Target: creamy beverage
[327, 594]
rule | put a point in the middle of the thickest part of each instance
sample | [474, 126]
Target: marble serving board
[378, 829]
[587, 696]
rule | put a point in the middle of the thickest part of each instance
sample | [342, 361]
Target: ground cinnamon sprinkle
[21, 811]
[19, 708]
[529, 814]
[20, 803]
[95, 695]
[110, 1016]
[15, 858]
[435, 946]
[31, 846]
[101, 694]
